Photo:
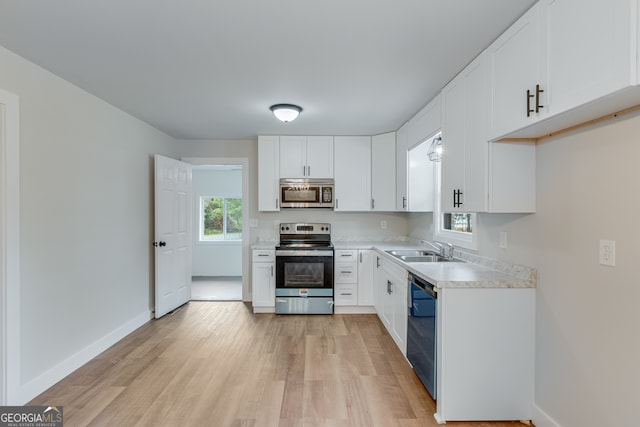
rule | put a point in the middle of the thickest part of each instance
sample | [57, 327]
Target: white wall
[86, 221]
[215, 258]
[588, 321]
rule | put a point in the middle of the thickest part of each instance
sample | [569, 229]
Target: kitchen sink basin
[416, 255]
[410, 253]
[423, 258]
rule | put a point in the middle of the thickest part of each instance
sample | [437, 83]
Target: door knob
[161, 244]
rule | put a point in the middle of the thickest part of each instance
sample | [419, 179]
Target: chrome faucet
[445, 250]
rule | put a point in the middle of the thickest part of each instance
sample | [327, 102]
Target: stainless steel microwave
[306, 193]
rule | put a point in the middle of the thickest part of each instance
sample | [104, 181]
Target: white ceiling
[210, 69]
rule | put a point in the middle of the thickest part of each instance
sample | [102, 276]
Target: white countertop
[474, 272]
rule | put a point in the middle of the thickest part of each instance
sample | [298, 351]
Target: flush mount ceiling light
[285, 112]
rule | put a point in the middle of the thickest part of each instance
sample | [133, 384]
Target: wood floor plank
[217, 363]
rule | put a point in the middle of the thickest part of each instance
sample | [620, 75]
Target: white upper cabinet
[464, 143]
[268, 173]
[480, 176]
[589, 50]
[383, 172]
[352, 169]
[402, 152]
[306, 157]
[563, 63]
[514, 60]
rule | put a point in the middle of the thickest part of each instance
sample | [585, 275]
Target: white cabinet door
[293, 161]
[402, 147]
[263, 280]
[589, 50]
[453, 140]
[306, 157]
[383, 172]
[476, 148]
[366, 267]
[268, 173]
[319, 157]
[465, 148]
[400, 307]
[352, 169]
[514, 60]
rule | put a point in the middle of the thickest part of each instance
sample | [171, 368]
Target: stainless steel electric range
[304, 269]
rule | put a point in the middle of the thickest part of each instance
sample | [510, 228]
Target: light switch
[608, 252]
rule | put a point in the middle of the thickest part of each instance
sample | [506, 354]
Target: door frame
[10, 392]
[244, 162]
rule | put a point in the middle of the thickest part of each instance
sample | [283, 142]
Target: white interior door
[172, 234]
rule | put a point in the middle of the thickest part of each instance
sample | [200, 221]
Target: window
[220, 219]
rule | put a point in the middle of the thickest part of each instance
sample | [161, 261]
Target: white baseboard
[542, 419]
[38, 385]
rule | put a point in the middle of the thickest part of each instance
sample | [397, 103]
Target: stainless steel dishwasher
[422, 331]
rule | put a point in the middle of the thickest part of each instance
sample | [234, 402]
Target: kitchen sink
[416, 255]
[423, 258]
[410, 253]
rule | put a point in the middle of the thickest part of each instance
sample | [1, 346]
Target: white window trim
[456, 238]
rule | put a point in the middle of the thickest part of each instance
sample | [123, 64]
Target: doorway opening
[220, 232]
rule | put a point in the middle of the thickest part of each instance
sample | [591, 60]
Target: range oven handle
[313, 253]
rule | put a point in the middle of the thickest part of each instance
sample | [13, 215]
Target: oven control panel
[305, 228]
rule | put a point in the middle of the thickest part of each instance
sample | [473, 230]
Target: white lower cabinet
[263, 280]
[391, 303]
[485, 356]
[353, 280]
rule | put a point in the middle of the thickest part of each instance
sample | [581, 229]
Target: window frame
[224, 239]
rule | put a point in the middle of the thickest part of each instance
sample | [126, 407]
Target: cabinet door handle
[373, 204]
[345, 254]
[277, 206]
[456, 198]
[308, 170]
[404, 202]
[389, 287]
[272, 271]
[529, 109]
[538, 92]
[377, 262]
[346, 293]
[360, 257]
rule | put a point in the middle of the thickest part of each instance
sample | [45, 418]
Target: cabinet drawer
[346, 294]
[345, 256]
[345, 273]
[264, 255]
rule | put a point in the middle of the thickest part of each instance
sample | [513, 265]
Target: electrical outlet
[608, 252]
[383, 224]
[503, 239]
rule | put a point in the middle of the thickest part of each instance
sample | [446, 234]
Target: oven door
[304, 269]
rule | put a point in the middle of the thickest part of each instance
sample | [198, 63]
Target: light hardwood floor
[217, 364]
